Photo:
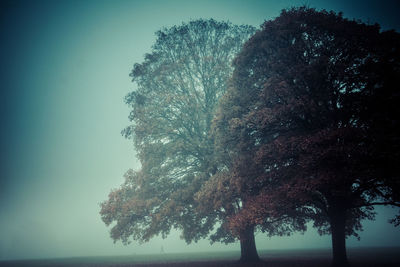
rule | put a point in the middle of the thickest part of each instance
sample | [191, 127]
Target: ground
[358, 257]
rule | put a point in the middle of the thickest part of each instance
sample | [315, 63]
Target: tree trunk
[248, 246]
[338, 231]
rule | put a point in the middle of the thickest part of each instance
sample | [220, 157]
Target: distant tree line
[241, 130]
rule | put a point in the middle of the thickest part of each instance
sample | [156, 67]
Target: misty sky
[64, 74]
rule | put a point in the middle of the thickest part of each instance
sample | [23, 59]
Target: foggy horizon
[65, 74]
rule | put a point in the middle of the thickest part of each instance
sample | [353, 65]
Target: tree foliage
[313, 114]
[178, 87]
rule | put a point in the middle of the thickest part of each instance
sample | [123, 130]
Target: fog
[64, 73]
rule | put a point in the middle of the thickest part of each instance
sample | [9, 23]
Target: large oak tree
[178, 86]
[313, 117]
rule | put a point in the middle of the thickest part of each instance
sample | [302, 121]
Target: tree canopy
[307, 129]
[312, 117]
[178, 86]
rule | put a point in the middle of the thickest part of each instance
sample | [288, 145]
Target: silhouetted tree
[178, 87]
[311, 123]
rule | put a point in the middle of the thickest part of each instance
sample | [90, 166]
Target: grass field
[365, 257]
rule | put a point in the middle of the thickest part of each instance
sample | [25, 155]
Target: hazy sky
[64, 73]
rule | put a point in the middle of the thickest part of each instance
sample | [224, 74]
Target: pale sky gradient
[64, 72]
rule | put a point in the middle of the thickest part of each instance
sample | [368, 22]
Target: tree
[314, 110]
[235, 192]
[178, 87]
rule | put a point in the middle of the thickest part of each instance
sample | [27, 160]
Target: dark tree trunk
[248, 248]
[338, 229]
